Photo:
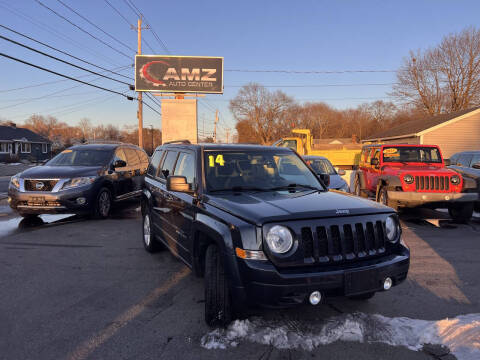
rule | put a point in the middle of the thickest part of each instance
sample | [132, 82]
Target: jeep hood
[418, 170]
[60, 172]
[263, 207]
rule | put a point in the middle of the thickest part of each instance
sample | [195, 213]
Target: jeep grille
[430, 183]
[343, 242]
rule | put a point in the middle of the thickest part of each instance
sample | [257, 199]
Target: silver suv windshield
[257, 171]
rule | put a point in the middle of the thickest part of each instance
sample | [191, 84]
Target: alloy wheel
[104, 204]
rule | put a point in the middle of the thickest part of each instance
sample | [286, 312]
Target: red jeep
[413, 175]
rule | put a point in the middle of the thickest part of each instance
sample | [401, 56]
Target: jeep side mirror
[341, 172]
[119, 164]
[447, 162]
[325, 178]
[178, 183]
[374, 162]
[476, 165]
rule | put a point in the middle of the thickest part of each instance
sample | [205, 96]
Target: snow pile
[461, 334]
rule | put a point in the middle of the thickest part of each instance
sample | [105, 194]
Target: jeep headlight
[15, 181]
[408, 179]
[279, 239]
[79, 181]
[392, 228]
[455, 179]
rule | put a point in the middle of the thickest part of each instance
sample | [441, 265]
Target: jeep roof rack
[177, 142]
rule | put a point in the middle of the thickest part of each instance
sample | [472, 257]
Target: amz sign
[179, 74]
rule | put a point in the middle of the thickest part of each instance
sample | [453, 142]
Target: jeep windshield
[413, 154]
[81, 157]
[257, 171]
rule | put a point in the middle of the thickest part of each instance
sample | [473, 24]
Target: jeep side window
[155, 163]
[168, 164]
[464, 160]
[186, 167]
[369, 157]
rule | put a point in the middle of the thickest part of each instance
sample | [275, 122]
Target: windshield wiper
[294, 186]
[240, 189]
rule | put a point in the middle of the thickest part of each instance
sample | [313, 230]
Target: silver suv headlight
[392, 228]
[15, 181]
[279, 239]
[79, 181]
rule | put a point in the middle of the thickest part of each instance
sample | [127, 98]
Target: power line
[97, 27]
[119, 13]
[65, 76]
[310, 72]
[61, 60]
[83, 30]
[54, 32]
[54, 82]
[138, 13]
[315, 86]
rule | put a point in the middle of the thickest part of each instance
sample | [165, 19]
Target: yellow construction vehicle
[342, 156]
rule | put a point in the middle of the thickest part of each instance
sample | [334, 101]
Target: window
[143, 160]
[26, 148]
[44, 148]
[155, 163]
[322, 166]
[464, 160]
[119, 155]
[168, 164]
[5, 148]
[292, 144]
[406, 154]
[81, 157]
[132, 158]
[186, 167]
[369, 156]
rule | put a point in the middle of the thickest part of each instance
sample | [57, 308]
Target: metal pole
[140, 95]
[215, 127]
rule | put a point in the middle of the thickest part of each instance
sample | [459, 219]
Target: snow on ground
[460, 334]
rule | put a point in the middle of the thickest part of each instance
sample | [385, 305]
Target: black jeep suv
[263, 229]
[84, 179]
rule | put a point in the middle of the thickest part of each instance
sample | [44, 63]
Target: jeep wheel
[149, 242]
[358, 188]
[382, 198]
[461, 213]
[366, 296]
[218, 310]
[103, 204]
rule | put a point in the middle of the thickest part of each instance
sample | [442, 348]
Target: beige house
[454, 132]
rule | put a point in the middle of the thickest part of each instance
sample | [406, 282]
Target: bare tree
[261, 109]
[445, 78]
[85, 126]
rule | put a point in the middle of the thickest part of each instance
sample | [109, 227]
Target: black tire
[382, 197]
[366, 296]
[28, 216]
[218, 310]
[103, 204]
[357, 188]
[461, 213]
[148, 235]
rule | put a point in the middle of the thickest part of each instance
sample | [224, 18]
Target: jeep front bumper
[410, 198]
[265, 285]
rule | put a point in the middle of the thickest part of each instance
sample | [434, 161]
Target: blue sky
[255, 35]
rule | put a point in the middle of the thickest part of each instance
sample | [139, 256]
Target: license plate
[361, 281]
[36, 201]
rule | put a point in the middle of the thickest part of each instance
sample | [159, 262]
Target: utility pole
[140, 94]
[215, 127]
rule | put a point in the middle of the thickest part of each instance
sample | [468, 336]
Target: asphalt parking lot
[74, 288]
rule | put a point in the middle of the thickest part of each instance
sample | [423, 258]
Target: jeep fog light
[387, 283]
[391, 227]
[279, 239]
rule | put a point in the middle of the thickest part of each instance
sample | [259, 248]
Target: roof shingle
[10, 133]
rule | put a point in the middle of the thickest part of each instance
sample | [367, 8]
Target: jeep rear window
[257, 170]
[406, 154]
